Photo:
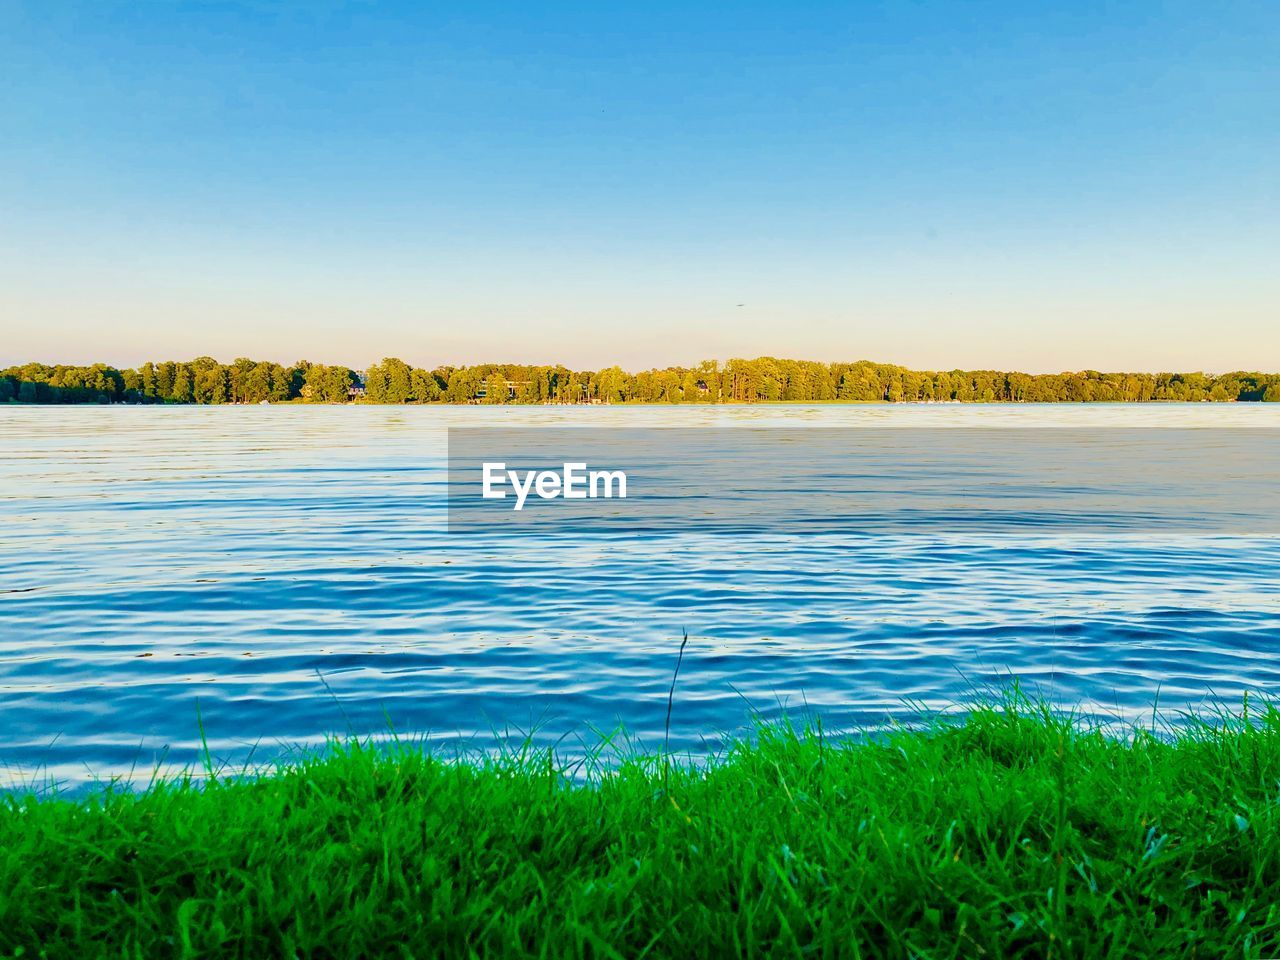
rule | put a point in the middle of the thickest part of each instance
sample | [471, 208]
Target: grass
[1009, 833]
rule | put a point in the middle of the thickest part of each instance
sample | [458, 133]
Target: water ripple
[285, 574]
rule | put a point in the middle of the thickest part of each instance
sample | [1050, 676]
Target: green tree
[211, 385]
[257, 383]
[328, 384]
[399, 381]
[148, 376]
[495, 389]
[182, 391]
[610, 385]
[423, 386]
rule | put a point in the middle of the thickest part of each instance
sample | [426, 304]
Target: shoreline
[1010, 831]
[691, 404]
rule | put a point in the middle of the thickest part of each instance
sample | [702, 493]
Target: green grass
[1010, 833]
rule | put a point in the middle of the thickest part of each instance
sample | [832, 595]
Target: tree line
[764, 379]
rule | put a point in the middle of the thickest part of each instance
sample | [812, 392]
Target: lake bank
[1012, 832]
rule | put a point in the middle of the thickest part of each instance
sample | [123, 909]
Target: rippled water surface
[286, 571]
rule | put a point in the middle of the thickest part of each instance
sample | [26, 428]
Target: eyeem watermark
[573, 482]
[1059, 481]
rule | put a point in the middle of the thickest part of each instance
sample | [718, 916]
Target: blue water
[286, 572]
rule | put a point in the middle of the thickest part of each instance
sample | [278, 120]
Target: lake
[279, 574]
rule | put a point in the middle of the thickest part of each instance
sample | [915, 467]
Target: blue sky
[1043, 187]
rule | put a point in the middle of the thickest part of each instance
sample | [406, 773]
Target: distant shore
[762, 380]
[298, 402]
[1011, 832]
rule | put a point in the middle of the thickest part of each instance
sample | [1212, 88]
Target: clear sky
[940, 184]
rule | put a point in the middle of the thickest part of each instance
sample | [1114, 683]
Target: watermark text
[573, 482]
